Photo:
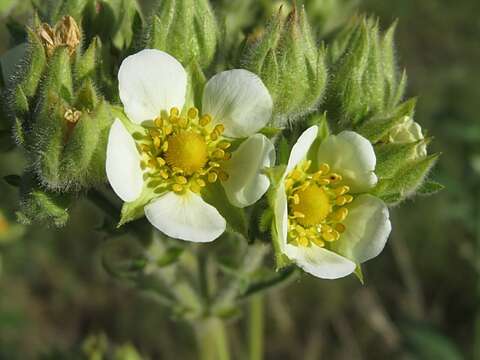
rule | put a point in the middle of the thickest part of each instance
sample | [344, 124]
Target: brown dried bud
[66, 33]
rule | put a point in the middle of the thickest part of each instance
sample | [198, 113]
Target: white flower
[408, 131]
[324, 220]
[177, 152]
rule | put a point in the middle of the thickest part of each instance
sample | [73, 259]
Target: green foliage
[290, 64]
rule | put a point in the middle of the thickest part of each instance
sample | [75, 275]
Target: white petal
[246, 183]
[123, 163]
[301, 147]
[353, 157]
[367, 229]
[150, 81]
[320, 262]
[187, 217]
[239, 100]
[281, 216]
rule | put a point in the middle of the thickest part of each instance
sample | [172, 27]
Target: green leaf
[359, 274]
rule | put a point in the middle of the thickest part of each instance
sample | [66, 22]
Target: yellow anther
[323, 182]
[295, 198]
[296, 174]
[173, 119]
[164, 174]
[335, 178]
[298, 215]
[195, 188]
[183, 122]
[160, 161]
[201, 183]
[302, 241]
[341, 200]
[212, 177]
[152, 163]
[158, 122]
[324, 168]
[192, 113]
[182, 180]
[205, 120]
[227, 156]
[219, 129]
[341, 190]
[156, 142]
[224, 145]
[177, 188]
[218, 154]
[340, 228]
[214, 164]
[213, 136]
[154, 132]
[168, 129]
[165, 146]
[288, 184]
[328, 236]
[340, 215]
[174, 111]
[348, 198]
[223, 176]
[144, 148]
[317, 241]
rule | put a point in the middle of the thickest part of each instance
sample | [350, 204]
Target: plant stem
[256, 327]
[212, 339]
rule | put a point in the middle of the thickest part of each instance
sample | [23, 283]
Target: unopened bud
[290, 64]
[186, 29]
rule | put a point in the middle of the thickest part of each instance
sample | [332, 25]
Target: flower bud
[365, 79]
[408, 131]
[186, 29]
[291, 65]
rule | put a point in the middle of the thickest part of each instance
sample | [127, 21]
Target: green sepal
[87, 64]
[87, 97]
[430, 188]
[34, 66]
[378, 128]
[359, 274]
[406, 181]
[58, 79]
[135, 210]
[215, 195]
[41, 206]
[392, 157]
[84, 154]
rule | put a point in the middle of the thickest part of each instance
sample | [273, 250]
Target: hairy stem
[212, 340]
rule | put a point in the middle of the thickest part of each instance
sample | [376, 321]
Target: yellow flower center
[183, 152]
[313, 203]
[316, 209]
[187, 151]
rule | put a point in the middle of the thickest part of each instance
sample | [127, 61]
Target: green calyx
[290, 64]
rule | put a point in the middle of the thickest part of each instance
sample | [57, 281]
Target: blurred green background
[421, 299]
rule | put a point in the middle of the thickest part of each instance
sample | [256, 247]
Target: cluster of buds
[290, 63]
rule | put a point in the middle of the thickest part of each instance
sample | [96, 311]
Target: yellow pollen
[313, 203]
[187, 151]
